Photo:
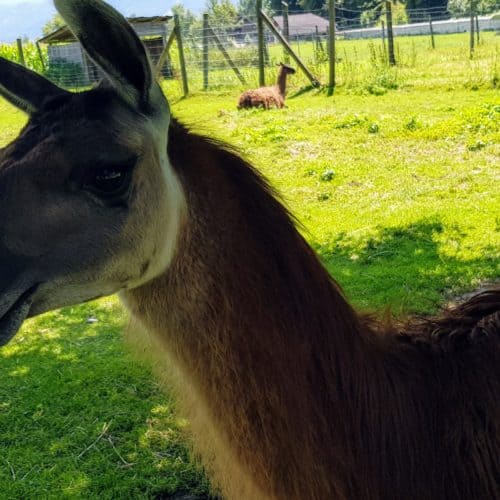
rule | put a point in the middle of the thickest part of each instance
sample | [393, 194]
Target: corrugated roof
[302, 23]
[64, 34]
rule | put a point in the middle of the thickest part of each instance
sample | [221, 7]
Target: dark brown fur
[296, 396]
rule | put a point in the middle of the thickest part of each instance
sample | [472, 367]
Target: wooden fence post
[431, 29]
[390, 33]
[20, 53]
[164, 55]
[182, 61]
[331, 46]
[383, 36]
[260, 48]
[295, 57]
[205, 51]
[39, 50]
[471, 28]
[224, 52]
[286, 29]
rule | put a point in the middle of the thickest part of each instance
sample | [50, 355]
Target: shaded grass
[81, 418]
[397, 192]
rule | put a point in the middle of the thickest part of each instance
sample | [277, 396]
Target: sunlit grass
[362, 65]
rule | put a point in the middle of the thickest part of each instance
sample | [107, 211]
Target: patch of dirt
[484, 287]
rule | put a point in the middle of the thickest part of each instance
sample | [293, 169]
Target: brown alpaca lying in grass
[267, 96]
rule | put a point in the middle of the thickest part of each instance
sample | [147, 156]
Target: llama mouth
[11, 321]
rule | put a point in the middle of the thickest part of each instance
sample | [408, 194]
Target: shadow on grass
[405, 268]
[81, 418]
[302, 91]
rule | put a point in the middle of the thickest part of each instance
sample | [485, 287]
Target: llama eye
[109, 181]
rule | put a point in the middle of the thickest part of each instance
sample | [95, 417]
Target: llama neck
[281, 82]
[262, 333]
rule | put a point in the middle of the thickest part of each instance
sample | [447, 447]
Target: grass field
[398, 191]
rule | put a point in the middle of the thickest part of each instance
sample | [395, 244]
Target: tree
[293, 6]
[436, 9]
[461, 8]
[222, 12]
[246, 8]
[53, 24]
[309, 5]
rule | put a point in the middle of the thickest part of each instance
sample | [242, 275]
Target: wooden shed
[69, 65]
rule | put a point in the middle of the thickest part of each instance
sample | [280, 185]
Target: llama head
[89, 204]
[288, 70]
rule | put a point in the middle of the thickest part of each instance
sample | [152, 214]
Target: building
[447, 26]
[303, 25]
[69, 65]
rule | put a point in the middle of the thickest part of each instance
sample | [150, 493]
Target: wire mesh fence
[220, 57]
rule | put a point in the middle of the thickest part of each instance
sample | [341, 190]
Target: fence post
[286, 29]
[39, 50]
[471, 28]
[205, 51]
[20, 53]
[477, 29]
[390, 33]
[182, 61]
[296, 58]
[224, 52]
[383, 36]
[260, 47]
[331, 46]
[431, 29]
[165, 54]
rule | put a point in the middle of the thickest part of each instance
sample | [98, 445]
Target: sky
[20, 18]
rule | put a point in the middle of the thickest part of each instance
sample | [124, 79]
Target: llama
[292, 394]
[267, 96]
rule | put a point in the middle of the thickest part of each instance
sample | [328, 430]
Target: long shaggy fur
[267, 97]
[292, 394]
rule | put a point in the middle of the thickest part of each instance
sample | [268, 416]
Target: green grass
[81, 418]
[397, 192]
[361, 65]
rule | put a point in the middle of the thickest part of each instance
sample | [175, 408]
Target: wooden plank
[227, 57]
[164, 54]
[295, 57]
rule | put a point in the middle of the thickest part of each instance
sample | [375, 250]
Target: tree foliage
[53, 24]
[460, 8]
[222, 12]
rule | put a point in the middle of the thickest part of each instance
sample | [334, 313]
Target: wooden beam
[295, 57]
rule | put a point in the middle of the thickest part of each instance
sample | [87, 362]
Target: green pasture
[398, 191]
[361, 64]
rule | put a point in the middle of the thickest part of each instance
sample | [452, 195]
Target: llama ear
[24, 88]
[112, 43]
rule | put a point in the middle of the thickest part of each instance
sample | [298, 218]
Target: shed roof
[64, 34]
[302, 23]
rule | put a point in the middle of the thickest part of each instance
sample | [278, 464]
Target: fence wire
[236, 46]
